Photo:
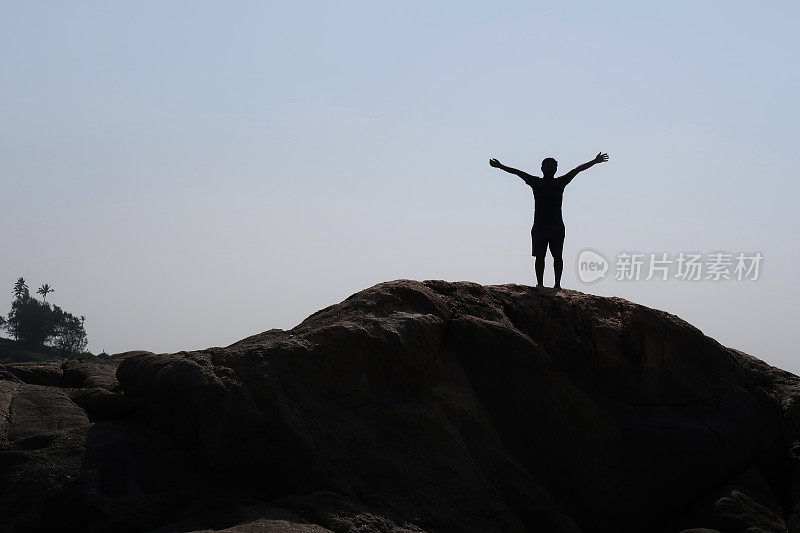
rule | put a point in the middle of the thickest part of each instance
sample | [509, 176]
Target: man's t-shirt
[547, 195]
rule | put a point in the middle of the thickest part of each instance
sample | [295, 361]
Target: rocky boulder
[413, 406]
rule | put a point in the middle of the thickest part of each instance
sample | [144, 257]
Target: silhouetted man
[548, 226]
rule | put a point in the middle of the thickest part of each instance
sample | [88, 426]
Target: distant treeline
[41, 331]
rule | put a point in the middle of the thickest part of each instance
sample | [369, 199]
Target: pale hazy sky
[186, 174]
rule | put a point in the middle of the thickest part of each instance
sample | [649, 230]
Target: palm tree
[20, 289]
[44, 290]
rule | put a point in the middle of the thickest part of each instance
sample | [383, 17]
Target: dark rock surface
[412, 406]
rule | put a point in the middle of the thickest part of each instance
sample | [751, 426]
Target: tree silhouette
[37, 324]
[20, 289]
[44, 290]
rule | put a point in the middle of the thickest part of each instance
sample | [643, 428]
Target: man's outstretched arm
[601, 158]
[524, 175]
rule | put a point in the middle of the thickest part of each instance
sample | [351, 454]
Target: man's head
[549, 166]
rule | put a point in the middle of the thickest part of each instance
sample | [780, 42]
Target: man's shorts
[544, 235]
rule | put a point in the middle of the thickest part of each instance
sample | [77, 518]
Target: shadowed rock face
[412, 406]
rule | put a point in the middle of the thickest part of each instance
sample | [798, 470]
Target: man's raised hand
[494, 163]
[601, 158]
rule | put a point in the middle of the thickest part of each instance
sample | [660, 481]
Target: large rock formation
[412, 406]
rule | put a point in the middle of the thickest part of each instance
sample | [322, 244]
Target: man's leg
[539, 243]
[539, 270]
[557, 249]
[558, 266]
